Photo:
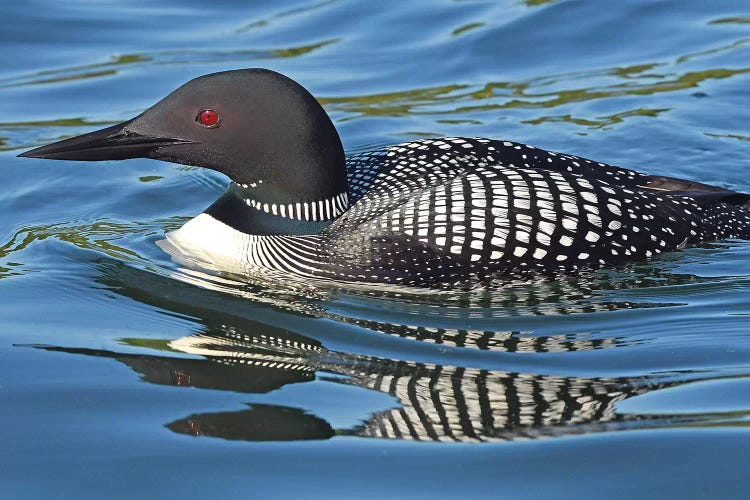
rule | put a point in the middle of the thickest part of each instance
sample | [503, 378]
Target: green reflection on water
[60, 122]
[113, 66]
[150, 178]
[600, 122]
[99, 236]
[390, 103]
[738, 137]
[456, 98]
[262, 23]
[303, 49]
[7, 145]
[6, 272]
[81, 72]
[467, 27]
[731, 20]
[716, 50]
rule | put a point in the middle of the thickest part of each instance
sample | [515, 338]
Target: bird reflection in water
[432, 402]
[435, 403]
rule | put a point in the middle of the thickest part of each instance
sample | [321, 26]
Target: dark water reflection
[431, 402]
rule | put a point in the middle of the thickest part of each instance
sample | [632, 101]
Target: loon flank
[432, 212]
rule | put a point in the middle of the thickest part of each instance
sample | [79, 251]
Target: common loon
[430, 212]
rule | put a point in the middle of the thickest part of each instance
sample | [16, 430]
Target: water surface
[124, 375]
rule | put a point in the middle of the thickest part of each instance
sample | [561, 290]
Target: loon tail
[704, 194]
[726, 214]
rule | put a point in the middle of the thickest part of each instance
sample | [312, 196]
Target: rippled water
[124, 375]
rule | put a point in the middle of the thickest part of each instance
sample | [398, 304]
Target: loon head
[263, 130]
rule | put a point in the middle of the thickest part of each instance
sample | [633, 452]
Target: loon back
[449, 207]
[436, 212]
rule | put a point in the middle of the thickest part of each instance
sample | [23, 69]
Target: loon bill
[431, 212]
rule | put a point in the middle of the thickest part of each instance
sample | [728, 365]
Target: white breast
[212, 245]
[208, 243]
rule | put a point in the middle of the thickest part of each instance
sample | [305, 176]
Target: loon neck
[253, 209]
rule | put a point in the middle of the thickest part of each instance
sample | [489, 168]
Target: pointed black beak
[111, 143]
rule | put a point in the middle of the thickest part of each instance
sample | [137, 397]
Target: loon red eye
[208, 118]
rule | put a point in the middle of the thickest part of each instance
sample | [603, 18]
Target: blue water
[123, 375]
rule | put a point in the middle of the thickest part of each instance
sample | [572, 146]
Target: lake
[125, 375]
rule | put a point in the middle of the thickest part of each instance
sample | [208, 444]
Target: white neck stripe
[320, 210]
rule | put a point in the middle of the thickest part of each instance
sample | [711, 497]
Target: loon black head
[263, 130]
